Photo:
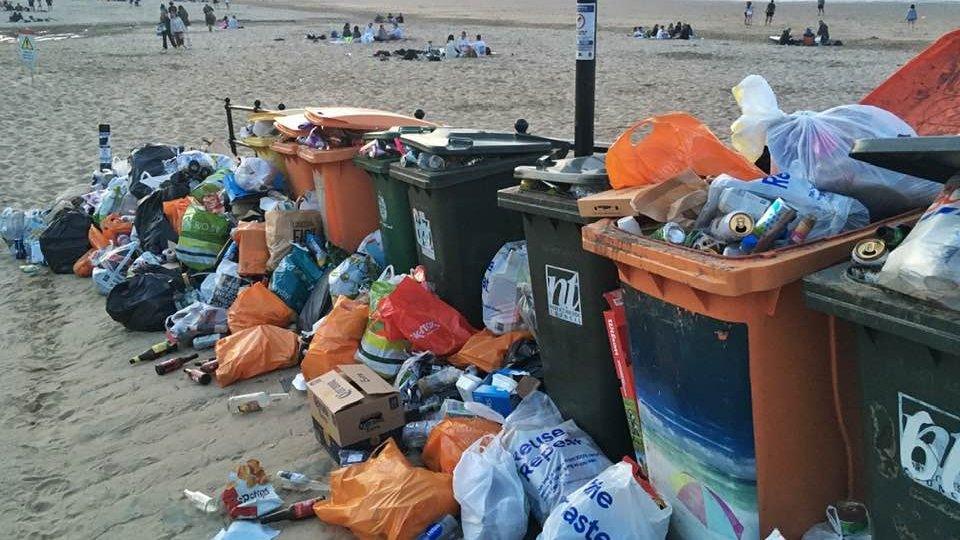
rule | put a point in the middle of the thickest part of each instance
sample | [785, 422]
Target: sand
[101, 449]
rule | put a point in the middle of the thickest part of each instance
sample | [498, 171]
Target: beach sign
[27, 48]
[586, 30]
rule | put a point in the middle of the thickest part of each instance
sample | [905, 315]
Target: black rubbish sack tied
[143, 302]
[153, 228]
[148, 160]
[65, 240]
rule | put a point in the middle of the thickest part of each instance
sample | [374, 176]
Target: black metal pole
[586, 76]
[231, 137]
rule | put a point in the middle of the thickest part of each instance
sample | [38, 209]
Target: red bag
[413, 313]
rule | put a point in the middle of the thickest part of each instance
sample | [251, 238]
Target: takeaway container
[733, 380]
[909, 359]
[568, 285]
[456, 220]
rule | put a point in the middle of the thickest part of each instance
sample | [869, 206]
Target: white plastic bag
[612, 505]
[488, 488]
[834, 213]
[927, 264]
[554, 458]
[255, 174]
[220, 288]
[501, 288]
[197, 319]
[758, 106]
[816, 146]
[182, 161]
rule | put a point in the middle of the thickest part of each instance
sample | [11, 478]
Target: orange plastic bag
[111, 227]
[451, 437]
[676, 143]
[387, 497]
[84, 266]
[337, 338]
[486, 349]
[254, 351]
[251, 238]
[96, 238]
[174, 211]
[258, 305]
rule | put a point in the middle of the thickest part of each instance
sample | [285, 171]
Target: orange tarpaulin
[925, 92]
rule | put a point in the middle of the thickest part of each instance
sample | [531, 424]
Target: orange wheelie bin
[740, 385]
[299, 172]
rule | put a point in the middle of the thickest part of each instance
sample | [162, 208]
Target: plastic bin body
[909, 360]
[348, 198]
[733, 379]
[568, 285]
[299, 172]
[459, 227]
[393, 208]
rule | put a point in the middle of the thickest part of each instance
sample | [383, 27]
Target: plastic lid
[578, 170]
[934, 158]
[395, 131]
[748, 243]
[473, 142]
[360, 119]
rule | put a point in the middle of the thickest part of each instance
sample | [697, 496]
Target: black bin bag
[65, 240]
[143, 302]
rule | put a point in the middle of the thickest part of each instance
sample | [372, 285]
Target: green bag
[376, 351]
[202, 236]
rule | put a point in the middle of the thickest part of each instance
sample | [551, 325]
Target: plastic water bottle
[295, 481]
[448, 528]
[202, 501]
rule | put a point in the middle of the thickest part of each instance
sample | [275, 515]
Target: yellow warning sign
[27, 48]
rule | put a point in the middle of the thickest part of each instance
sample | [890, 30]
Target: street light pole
[586, 76]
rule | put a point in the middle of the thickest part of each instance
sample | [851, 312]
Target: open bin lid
[591, 170]
[934, 158]
[832, 292]
[359, 119]
[476, 143]
[395, 131]
[293, 125]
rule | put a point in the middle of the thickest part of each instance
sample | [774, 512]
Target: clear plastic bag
[927, 264]
[816, 146]
[501, 290]
[197, 319]
[255, 174]
[834, 213]
[486, 484]
[612, 505]
[759, 108]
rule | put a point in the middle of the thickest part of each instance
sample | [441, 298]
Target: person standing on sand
[912, 15]
[771, 9]
[748, 14]
[164, 28]
[184, 16]
[820, 4]
[209, 17]
[177, 27]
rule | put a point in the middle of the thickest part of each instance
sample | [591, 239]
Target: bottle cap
[748, 243]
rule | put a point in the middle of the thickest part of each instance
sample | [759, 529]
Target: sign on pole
[27, 47]
[586, 30]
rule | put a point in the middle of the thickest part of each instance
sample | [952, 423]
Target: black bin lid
[395, 131]
[476, 143]
[933, 158]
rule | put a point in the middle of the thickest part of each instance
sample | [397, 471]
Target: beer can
[670, 232]
[732, 226]
[802, 230]
[870, 253]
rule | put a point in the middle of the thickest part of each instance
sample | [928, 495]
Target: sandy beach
[101, 449]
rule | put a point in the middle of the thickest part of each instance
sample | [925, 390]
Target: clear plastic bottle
[257, 401]
[415, 433]
[448, 528]
[294, 481]
[202, 501]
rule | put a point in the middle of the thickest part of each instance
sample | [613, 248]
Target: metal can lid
[740, 223]
[870, 249]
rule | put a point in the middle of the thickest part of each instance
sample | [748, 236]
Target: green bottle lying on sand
[155, 352]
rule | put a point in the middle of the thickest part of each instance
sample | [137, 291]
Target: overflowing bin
[299, 172]
[568, 284]
[393, 206]
[909, 360]
[733, 380]
[457, 223]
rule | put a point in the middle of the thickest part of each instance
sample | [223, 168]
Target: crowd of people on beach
[464, 47]
[175, 20]
[18, 10]
[680, 30]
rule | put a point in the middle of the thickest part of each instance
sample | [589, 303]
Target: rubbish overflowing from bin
[416, 334]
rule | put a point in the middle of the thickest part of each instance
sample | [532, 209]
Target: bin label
[930, 446]
[421, 225]
[586, 31]
[382, 207]
[563, 294]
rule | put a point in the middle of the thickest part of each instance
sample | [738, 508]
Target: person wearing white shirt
[479, 46]
[232, 22]
[368, 34]
[450, 49]
[463, 43]
[663, 34]
[396, 32]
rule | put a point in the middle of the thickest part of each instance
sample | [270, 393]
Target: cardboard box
[502, 401]
[353, 404]
[613, 203]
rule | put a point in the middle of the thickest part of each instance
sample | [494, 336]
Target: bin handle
[459, 142]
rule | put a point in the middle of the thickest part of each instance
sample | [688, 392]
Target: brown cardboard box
[353, 404]
[612, 203]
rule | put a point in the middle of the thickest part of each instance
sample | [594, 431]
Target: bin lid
[355, 118]
[832, 292]
[591, 170]
[456, 175]
[293, 125]
[935, 158]
[475, 143]
[541, 203]
[394, 132]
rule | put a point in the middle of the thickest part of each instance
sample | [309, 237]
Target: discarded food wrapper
[246, 530]
[249, 493]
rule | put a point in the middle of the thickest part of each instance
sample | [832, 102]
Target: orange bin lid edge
[360, 119]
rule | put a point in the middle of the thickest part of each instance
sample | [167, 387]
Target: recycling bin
[734, 381]
[909, 360]
[299, 172]
[568, 285]
[393, 206]
[457, 223]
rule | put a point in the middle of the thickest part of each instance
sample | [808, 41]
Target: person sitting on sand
[809, 39]
[368, 34]
[233, 23]
[911, 15]
[662, 33]
[390, 18]
[823, 33]
[399, 19]
[785, 38]
[480, 46]
[396, 33]
[671, 30]
[378, 19]
[748, 14]
[463, 43]
[450, 49]
[346, 30]
[356, 32]
[382, 34]
[686, 32]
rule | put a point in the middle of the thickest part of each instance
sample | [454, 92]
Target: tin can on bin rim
[871, 253]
